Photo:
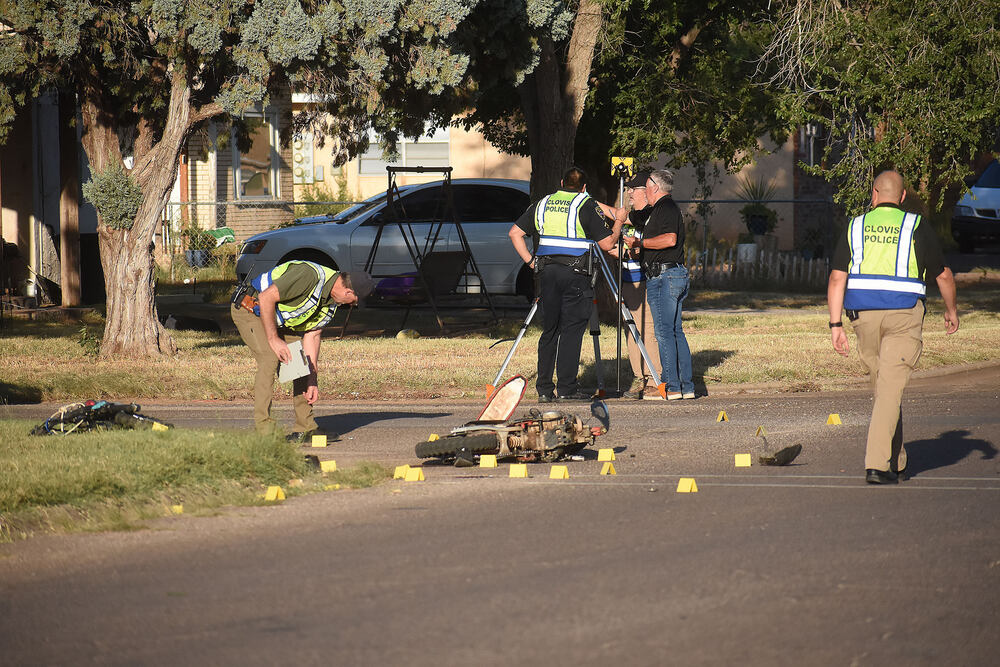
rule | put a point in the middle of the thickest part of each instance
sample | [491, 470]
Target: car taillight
[252, 247]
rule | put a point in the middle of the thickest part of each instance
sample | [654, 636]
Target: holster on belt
[248, 303]
[242, 299]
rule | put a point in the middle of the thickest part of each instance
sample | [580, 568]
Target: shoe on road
[301, 437]
[873, 476]
[782, 457]
[575, 396]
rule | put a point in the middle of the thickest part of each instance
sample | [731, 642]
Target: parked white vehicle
[977, 215]
[486, 208]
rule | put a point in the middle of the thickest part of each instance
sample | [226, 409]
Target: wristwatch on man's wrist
[836, 324]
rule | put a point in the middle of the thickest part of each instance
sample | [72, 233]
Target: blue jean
[665, 294]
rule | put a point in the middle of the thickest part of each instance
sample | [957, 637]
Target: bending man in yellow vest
[877, 275]
[292, 302]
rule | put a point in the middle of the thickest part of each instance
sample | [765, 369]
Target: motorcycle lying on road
[548, 436]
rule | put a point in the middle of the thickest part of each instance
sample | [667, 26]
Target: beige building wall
[775, 166]
[470, 156]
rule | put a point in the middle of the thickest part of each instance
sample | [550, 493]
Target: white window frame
[441, 135]
[271, 121]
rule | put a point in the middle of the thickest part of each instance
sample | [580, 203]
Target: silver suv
[486, 208]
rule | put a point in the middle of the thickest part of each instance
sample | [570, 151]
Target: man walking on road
[877, 275]
[565, 222]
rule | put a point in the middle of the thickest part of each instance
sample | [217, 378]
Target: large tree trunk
[553, 97]
[132, 328]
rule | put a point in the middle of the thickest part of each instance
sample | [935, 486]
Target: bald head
[888, 188]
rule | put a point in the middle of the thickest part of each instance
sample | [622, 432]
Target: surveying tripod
[420, 255]
[596, 260]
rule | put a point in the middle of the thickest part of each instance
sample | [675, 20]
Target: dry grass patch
[782, 339]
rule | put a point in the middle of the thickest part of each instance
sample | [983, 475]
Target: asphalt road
[804, 564]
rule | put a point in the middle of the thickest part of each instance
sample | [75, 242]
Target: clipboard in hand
[298, 367]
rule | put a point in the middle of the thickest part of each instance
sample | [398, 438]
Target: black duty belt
[578, 263]
[654, 269]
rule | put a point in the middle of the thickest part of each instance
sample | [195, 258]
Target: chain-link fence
[199, 240]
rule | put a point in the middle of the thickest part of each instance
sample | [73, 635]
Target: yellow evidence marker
[742, 460]
[414, 475]
[608, 469]
[274, 493]
[319, 441]
[687, 485]
[559, 472]
[723, 417]
[760, 431]
[432, 437]
[833, 419]
[518, 470]
[606, 454]
[400, 472]
[488, 461]
[328, 466]
[177, 509]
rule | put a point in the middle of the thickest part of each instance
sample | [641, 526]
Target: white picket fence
[729, 267]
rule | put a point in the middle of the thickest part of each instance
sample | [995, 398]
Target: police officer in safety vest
[292, 302]
[877, 275]
[563, 224]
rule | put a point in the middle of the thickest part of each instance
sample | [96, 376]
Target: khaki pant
[267, 370]
[634, 298]
[890, 342]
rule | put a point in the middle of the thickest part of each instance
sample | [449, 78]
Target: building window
[256, 171]
[431, 150]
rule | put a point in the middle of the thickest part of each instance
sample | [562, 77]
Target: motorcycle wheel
[477, 443]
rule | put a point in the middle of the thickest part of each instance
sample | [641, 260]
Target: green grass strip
[112, 479]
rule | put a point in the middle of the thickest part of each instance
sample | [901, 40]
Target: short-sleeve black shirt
[664, 218]
[926, 249]
[590, 216]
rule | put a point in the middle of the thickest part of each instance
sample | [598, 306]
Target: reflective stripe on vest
[305, 315]
[557, 218]
[631, 268]
[883, 274]
[632, 271]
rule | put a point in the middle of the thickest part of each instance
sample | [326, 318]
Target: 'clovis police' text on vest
[306, 314]
[883, 274]
[557, 218]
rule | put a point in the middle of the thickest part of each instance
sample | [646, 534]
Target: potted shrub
[198, 246]
[757, 216]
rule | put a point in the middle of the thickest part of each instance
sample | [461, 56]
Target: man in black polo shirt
[564, 223]
[667, 282]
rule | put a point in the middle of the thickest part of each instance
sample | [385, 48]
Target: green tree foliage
[673, 79]
[910, 86]
[115, 196]
[146, 73]
[670, 77]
